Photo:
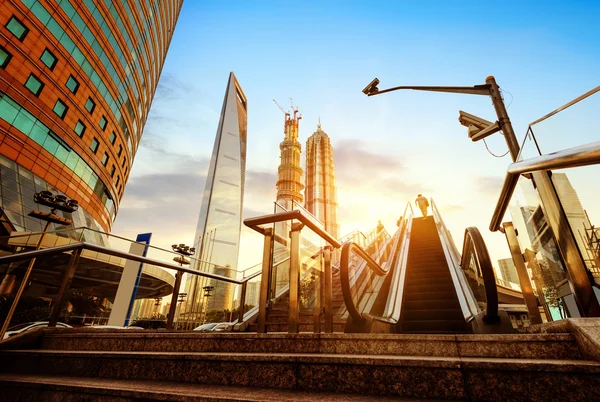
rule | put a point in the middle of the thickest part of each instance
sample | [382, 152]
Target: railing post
[242, 303]
[64, 287]
[264, 284]
[294, 312]
[327, 291]
[174, 297]
[527, 290]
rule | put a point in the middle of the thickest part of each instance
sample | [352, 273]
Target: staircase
[58, 364]
[430, 303]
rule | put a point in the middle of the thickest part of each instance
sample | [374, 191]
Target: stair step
[51, 387]
[367, 374]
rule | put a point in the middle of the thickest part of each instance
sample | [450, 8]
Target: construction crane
[294, 107]
[281, 108]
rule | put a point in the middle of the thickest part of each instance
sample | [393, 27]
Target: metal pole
[13, 306]
[527, 290]
[318, 300]
[264, 284]
[173, 306]
[61, 297]
[242, 303]
[327, 291]
[294, 312]
[503, 119]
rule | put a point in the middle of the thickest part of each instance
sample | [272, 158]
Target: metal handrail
[116, 253]
[347, 250]
[583, 155]
[298, 214]
[474, 243]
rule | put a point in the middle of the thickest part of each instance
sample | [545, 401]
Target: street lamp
[183, 251]
[207, 290]
[478, 128]
[55, 202]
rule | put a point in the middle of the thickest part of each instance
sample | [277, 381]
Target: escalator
[422, 287]
[430, 301]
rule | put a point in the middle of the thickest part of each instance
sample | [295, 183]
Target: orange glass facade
[77, 80]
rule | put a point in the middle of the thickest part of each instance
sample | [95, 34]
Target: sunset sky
[387, 148]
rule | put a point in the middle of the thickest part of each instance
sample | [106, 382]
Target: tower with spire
[289, 184]
[320, 193]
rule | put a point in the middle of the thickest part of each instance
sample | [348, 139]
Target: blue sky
[388, 147]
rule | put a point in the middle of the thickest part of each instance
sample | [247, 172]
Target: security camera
[467, 119]
[371, 89]
[478, 128]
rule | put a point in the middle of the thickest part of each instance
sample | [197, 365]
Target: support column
[174, 297]
[294, 312]
[264, 284]
[526, 289]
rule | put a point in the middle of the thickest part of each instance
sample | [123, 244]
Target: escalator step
[448, 295]
[435, 326]
[430, 305]
[432, 287]
[433, 315]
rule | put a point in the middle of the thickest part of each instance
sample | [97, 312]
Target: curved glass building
[77, 80]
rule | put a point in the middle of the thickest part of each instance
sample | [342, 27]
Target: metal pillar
[264, 284]
[61, 297]
[174, 297]
[242, 303]
[527, 290]
[294, 312]
[327, 290]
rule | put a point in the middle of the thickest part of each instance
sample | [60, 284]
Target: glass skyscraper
[320, 193]
[217, 238]
[77, 80]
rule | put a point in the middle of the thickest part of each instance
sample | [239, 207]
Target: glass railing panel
[311, 268]
[544, 264]
[579, 195]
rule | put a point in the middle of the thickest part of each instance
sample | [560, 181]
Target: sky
[387, 148]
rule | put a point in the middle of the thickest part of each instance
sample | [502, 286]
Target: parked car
[215, 327]
[27, 326]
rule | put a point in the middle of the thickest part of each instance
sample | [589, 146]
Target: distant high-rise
[289, 185]
[320, 193]
[219, 224]
[508, 270]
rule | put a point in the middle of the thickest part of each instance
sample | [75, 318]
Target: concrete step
[403, 376]
[538, 346]
[302, 327]
[23, 387]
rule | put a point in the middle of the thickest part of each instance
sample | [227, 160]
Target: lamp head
[371, 89]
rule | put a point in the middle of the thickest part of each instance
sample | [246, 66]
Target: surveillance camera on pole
[478, 128]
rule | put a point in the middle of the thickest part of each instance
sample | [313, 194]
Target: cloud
[489, 185]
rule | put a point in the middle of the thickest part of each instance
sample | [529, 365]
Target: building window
[90, 105]
[49, 59]
[113, 169]
[17, 28]
[94, 145]
[4, 57]
[125, 174]
[118, 181]
[113, 138]
[120, 151]
[34, 84]
[124, 161]
[72, 84]
[60, 109]
[103, 123]
[104, 159]
[79, 128]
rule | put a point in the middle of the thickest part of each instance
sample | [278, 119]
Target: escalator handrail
[347, 249]
[466, 299]
[474, 242]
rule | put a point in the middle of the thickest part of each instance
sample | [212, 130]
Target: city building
[508, 270]
[289, 185]
[217, 238]
[320, 193]
[76, 84]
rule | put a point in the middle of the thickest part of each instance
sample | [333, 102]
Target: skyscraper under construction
[289, 185]
[320, 193]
